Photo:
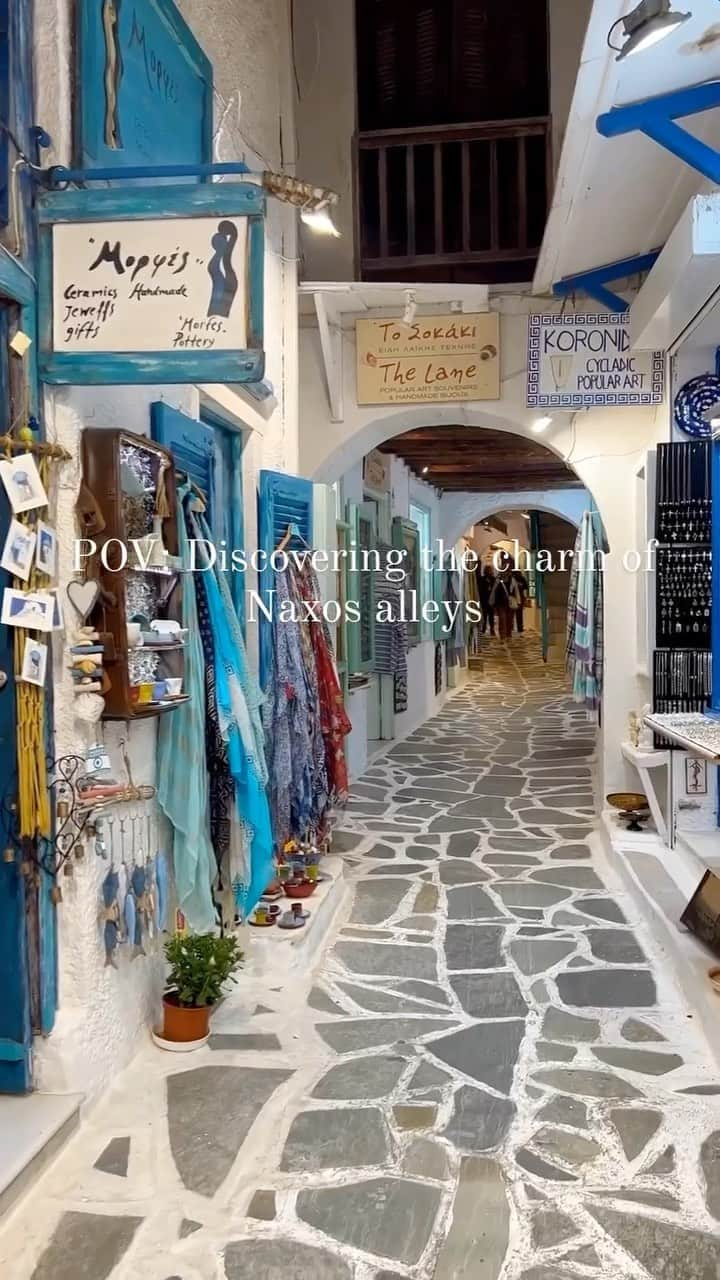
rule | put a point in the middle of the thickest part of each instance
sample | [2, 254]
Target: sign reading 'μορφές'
[155, 285]
[437, 359]
[584, 360]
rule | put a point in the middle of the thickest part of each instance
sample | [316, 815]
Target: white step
[33, 1128]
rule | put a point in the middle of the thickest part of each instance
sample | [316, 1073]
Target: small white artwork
[18, 551]
[46, 549]
[34, 665]
[22, 483]
[31, 609]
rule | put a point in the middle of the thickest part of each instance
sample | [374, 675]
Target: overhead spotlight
[645, 25]
[525, 515]
[540, 424]
[410, 311]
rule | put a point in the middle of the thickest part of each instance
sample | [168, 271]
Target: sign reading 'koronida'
[436, 359]
[579, 360]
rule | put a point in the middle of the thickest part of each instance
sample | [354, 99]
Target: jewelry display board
[683, 512]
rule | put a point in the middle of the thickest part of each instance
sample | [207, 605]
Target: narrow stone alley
[492, 1074]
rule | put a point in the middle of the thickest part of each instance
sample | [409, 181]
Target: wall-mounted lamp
[315, 203]
[645, 25]
[410, 311]
[319, 221]
[540, 424]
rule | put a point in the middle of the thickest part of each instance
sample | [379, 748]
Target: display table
[697, 734]
[645, 759]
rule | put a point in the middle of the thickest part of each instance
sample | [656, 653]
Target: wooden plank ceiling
[464, 459]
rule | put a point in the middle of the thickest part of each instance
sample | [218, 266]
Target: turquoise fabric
[238, 703]
[182, 771]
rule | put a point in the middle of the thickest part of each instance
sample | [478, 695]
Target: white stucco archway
[459, 511]
[365, 431]
[603, 445]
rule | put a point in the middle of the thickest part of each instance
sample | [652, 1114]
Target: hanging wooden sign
[152, 286]
[435, 360]
[145, 87]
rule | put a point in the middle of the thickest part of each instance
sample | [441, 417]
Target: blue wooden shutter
[282, 500]
[192, 445]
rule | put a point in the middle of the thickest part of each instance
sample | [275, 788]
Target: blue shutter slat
[192, 445]
[282, 500]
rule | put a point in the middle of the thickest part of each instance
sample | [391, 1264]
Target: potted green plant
[200, 966]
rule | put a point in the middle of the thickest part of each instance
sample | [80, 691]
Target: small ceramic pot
[299, 889]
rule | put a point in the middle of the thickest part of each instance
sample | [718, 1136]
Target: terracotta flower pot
[184, 1023]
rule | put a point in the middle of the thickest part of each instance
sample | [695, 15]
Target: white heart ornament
[83, 597]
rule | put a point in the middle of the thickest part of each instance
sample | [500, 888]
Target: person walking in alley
[500, 603]
[520, 589]
[486, 582]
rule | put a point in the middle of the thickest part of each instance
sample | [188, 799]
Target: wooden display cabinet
[122, 471]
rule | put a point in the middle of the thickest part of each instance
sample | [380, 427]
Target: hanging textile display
[305, 719]
[584, 650]
[183, 791]
[218, 807]
[243, 822]
[391, 638]
[452, 598]
[473, 629]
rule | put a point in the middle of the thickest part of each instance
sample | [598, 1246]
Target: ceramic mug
[173, 685]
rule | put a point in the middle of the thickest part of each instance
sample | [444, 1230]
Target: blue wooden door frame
[18, 291]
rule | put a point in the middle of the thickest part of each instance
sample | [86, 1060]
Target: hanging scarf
[182, 766]
[585, 618]
[289, 720]
[220, 783]
[334, 722]
[237, 718]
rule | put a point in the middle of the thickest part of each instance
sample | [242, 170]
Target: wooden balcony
[464, 202]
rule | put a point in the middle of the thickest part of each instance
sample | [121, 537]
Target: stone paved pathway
[492, 1075]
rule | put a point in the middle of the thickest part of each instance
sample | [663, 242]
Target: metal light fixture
[410, 311]
[315, 203]
[319, 220]
[645, 25]
[540, 424]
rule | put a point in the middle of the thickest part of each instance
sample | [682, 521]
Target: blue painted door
[210, 453]
[15, 1023]
[282, 500]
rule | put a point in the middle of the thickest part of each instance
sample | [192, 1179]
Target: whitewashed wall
[105, 1014]
[604, 447]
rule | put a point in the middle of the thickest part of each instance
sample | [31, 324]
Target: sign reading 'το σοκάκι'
[436, 359]
[586, 360]
[150, 285]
